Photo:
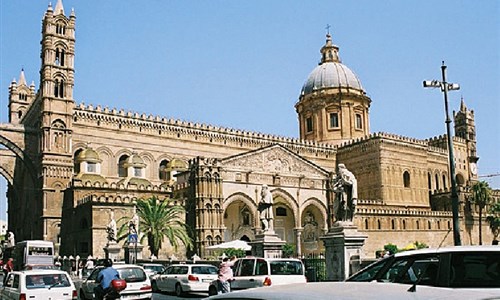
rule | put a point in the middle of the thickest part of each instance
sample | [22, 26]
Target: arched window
[406, 179]
[359, 122]
[393, 224]
[429, 224]
[379, 226]
[163, 171]
[429, 181]
[19, 114]
[75, 163]
[309, 124]
[404, 224]
[418, 224]
[60, 28]
[122, 170]
[437, 182]
[59, 88]
[444, 181]
[59, 57]
[366, 223]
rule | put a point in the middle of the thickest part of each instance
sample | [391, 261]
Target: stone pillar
[298, 238]
[343, 249]
[112, 251]
[267, 245]
[133, 252]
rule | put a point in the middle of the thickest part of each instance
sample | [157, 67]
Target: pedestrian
[8, 266]
[226, 274]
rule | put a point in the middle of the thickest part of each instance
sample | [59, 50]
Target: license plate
[207, 280]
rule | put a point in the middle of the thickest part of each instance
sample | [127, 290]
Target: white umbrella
[236, 244]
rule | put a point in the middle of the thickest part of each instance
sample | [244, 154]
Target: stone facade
[77, 163]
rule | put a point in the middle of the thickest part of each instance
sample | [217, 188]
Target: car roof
[271, 259]
[483, 248]
[354, 291]
[40, 272]
[191, 265]
[125, 266]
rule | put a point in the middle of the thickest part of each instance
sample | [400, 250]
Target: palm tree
[160, 219]
[493, 219]
[481, 196]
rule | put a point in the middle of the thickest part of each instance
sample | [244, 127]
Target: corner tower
[333, 106]
[56, 114]
[465, 127]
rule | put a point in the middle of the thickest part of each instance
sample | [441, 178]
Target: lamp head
[431, 84]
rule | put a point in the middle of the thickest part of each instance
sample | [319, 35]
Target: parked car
[153, 269]
[138, 283]
[38, 284]
[355, 291]
[251, 272]
[461, 267]
[185, 278]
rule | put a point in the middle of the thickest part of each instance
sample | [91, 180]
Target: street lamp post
[445, 87]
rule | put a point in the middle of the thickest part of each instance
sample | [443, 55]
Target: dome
[135, 161]
[88, 155]
[331, 73]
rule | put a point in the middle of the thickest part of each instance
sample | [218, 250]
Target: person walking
[226, 274]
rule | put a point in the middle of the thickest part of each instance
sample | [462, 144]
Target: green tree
[493, 219]
[160, 219]
[481, 196]
[288, 250]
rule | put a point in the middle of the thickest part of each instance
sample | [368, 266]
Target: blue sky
[241, 64]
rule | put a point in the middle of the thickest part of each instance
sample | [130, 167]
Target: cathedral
[74, 166]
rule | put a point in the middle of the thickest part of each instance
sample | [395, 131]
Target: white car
[251, 272]
[185, 278]
[138, 283]
[460, 267]
[38, 284]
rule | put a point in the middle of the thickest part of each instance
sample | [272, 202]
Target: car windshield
[42, 281]
[286, 267]
[204, 270]
[132, 274]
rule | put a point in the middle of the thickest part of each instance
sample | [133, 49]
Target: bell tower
[56, 113]
[465, 128]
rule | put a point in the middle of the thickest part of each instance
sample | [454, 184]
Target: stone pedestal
[343, 250]
[133, 252]
[112, 251]
[267, 245]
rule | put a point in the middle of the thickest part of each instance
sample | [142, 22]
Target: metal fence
[315, 268]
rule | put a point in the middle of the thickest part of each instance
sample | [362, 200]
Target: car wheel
[154, 286]
[212, 291]
[178, 290]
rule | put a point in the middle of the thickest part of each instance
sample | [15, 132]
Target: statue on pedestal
[111, 228]
[346, 189]
[11, 242]
[266, 209]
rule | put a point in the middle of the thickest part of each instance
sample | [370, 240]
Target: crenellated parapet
[176, 128]
[384, 135]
